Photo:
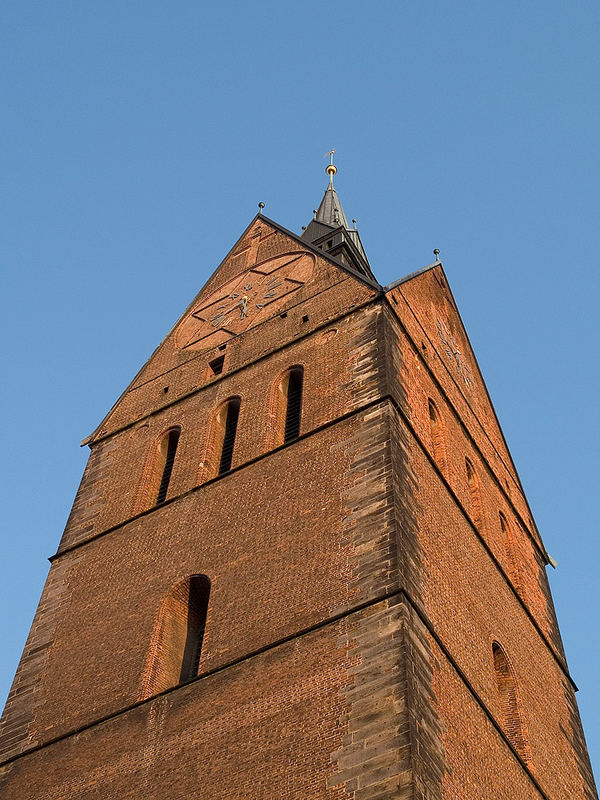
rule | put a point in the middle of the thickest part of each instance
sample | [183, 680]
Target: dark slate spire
[329, 229]
[330, 212]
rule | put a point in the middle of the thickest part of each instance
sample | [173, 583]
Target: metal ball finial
[436, 253]
[331, 168]
[261, 205]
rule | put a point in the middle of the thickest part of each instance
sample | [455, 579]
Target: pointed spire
[330, 219]
[330, 212]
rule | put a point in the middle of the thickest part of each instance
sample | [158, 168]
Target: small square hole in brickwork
[222, 346]
[166, 389]
[284, 315]
[216, 365]
[305, 318]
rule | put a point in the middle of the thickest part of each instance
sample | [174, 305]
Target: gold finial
[331, 168]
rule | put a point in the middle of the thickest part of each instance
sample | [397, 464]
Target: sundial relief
[251, 297]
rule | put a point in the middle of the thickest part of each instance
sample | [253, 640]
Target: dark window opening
[233, 413]
[170, 445]
[216, 365]
[294, 406]
[196, 621]
[305, 318]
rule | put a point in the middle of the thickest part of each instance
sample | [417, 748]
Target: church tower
[300, 564]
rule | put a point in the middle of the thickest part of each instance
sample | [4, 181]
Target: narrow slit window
[168, 448]
[231, 422]
[293, 412]
[196, 621]
[178, 636]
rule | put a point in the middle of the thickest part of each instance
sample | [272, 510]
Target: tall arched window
[285, 407]
[507, 690]
[293, 411]
[437, 435]
[167, 450]
[178, 635]
[219, 446]
[225, 430]
[157, 472]
[475, 492]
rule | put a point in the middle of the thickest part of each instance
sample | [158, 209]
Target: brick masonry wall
[347, 652]
[420, 303]
[264, 728]
[322, 716]
[97, 668]
[427, 377]
[274, 559]
[461, 576]
[466, 597]
[108, 494]
[18, 726]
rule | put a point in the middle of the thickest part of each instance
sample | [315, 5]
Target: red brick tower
[300, 564]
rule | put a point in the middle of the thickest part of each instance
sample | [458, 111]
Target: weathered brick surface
[262, 728]
[19, 726]
[111, 484]
[357, 585]
[420, 304]
[424, 377]
[323, 716]
[328, 293]
[479, 761]
[461, 576]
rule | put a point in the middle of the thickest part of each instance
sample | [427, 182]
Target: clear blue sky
[137, 140]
